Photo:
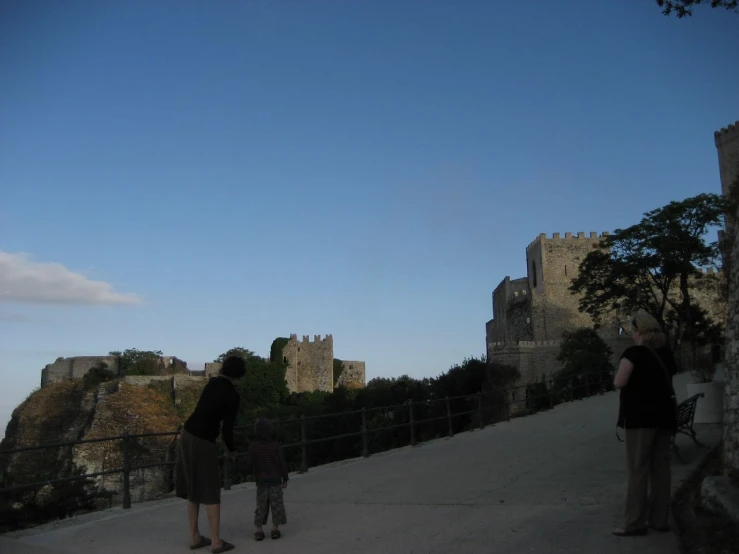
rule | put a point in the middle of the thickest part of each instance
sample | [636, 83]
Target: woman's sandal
[225, 547]
[276, 534]
[204, 541]
[259, 535]
[630, 532]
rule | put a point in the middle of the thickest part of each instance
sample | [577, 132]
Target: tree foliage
[138, 362]
[236, 351]
[684, 8]
[264, 383]
[584, 351]
[278, 345]
[338, 369]
[97, 375]
[386, 401]
[651, 265]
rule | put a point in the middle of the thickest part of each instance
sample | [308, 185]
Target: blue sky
[250, 169]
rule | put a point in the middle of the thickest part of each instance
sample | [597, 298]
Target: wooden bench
[685, 417]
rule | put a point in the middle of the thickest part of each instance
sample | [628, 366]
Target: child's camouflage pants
[270, 496]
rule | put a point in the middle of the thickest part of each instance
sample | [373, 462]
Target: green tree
[582, 351]
[585, 359]
[275, 351]
[138, 362]
[263, 386]
[98, 374]
[650, 265]
[684, 8]
[338, 370]
[236, 351]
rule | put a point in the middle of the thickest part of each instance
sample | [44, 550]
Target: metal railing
[555, 390]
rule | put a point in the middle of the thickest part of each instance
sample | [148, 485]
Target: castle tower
[511, 312]
[310, 363]
[551, 264]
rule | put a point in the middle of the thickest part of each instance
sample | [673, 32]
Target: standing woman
[647, 413]
[198, 475]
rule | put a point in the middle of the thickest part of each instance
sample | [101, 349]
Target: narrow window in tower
[565, 271]
[533, 272]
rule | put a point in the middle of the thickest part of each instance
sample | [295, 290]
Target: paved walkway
[548, 483]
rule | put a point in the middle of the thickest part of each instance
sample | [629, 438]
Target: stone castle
[65, 369]
[530, 314]
[310, 367]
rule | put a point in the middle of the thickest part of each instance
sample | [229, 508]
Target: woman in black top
[198, 475]
[647, 414]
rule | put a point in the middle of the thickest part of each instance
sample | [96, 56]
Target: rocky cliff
[78, 410]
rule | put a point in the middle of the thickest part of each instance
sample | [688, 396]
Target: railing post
[365, 441]
[450, 432]
[412, 423]
[479, 410]
[126, 471]
[572, 389]
[550, 391]
[304, 445]
[227, 471]
[506, 406]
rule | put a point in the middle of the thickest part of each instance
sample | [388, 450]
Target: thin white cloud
[28, 281]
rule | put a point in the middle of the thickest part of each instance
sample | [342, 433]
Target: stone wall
[183, 390]
[706, 291]
[537, 358]
[727, 145]
[519, 318]
[212, 369]
[532, 358]
[353, 375]
[64, 369]
[501, 327]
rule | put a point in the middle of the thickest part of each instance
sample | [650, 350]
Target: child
[266, 462]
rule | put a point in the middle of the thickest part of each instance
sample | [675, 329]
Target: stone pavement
[552, 482]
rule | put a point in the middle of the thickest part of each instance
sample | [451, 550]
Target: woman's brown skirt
[198, 475]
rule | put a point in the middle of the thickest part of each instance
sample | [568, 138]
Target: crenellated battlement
[726, 134]
[711, 271]
[525, 343]
[592, 236]
[316, 338]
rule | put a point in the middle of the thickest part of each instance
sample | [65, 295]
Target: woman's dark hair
[234, 367]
